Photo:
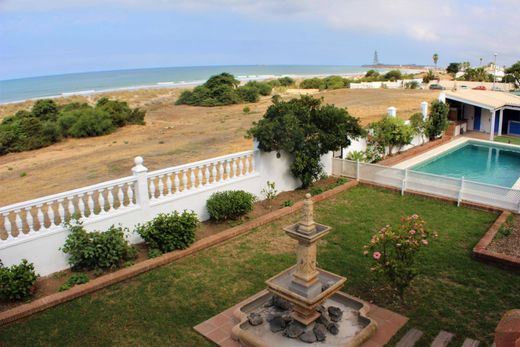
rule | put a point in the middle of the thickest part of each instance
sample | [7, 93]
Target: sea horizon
[93, 82]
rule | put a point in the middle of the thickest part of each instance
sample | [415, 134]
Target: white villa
[482, 110]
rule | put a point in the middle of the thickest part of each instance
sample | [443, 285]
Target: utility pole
[495, 73]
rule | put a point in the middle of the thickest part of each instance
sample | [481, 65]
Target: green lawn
[515, 140]
[454, 292]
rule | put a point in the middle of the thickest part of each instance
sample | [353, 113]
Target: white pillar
[500, 121]
[424, 110]
[492, 130]
[442, 97]
[392, 111]
[141, 186]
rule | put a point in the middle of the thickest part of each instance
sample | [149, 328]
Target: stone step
[410, 338]
[470, 343]
[442, 339]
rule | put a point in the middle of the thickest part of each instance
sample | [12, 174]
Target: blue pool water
[476, 161]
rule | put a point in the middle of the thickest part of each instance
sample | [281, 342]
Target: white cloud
[464, 25]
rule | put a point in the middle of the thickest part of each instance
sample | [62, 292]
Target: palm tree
[435, 59]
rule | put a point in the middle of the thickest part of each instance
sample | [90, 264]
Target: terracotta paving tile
[218, 335]
[205, 327]
[220, 319]
[229, 343]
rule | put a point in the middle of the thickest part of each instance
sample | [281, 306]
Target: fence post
[141, 185]
[357, 170]
[403, 185]
[459, 200]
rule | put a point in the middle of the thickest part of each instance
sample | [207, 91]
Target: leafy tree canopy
[391, 132]
[513, 73]
[437, 120]
[305, 129]
[453, 68]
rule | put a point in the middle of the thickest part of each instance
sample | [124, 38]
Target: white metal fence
[406, 180]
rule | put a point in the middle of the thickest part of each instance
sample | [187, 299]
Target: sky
[45, 37]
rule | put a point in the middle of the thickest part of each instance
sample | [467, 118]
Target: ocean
[91, 82]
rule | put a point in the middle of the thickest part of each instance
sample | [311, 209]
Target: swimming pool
[476, 161]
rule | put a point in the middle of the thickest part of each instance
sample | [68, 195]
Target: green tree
[513, 73]
[393, 75]
[45, 109]
[418, 124]
[372, 74]
[477, 74]
[437, 120]
[453, 68]
[391, 133]
[430, 76]
[435, 59]
[305, 129]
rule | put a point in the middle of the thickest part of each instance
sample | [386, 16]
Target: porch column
[492, 130]
[500, 121]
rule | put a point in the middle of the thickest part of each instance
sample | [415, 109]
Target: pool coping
[406, 164]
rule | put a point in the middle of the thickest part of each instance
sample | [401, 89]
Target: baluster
[192, 178]
[18, 222]
[81, 205]
[110, 193]
[228, 169]
[61, 211]
[152, 188]
[221, 171]
[214, 172]
[247, 165]
[70, 207]
[51, 215]
[29, 219]
[120, 195]
[130, 194]
[206, 174]
[184, 180]
[252, 163]
[161, 185]
[199, 176]
[7, 225]
[169, 183]
[240, 166]
[90, 203]
[41, 217]
[177, 182]
[101, 200]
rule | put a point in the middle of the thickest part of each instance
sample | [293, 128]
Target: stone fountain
[303, 304]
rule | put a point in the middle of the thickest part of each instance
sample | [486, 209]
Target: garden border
[55, 299]
[481, 252]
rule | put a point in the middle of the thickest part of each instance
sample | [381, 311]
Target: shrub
[393, 75]
[438, 119]
[74, 280]
[411, 85]
[45, 109]
[154, 253]
[231, 204]
[287, 203]
[92, 122]
[333, 82]
[97, 250]
[171, 231]
[394, 251]
[248, 94]
[17, 282]
[263, 88]
[316, 191]
[392, 132]
[246, 109]
[356, 155]
[286, 81]
[311, 83]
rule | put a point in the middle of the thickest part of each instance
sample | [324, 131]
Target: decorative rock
[320, 331]
[269, 302]
[335, 313]
[255, 319]
[308, 337]
[324, 320]
[333, 328]
[281, 303]
[327, 285]
[277, 324]
[293, 330]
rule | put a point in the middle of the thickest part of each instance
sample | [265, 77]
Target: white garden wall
[33, 230]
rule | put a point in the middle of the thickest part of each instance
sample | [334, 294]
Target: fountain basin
[354, 328]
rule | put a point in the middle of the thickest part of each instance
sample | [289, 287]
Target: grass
[515, 140]
[454, 292]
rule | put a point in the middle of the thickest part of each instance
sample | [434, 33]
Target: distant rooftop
[484, 98]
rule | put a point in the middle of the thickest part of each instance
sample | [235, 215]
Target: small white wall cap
[138, 160]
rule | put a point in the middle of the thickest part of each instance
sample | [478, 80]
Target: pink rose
[425, 242]
[376, 255]
[412, 232]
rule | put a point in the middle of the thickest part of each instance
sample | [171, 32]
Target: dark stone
[308, 337]
[255, 319]
[293, 330]
[327, 285]
[269, 302]
[321, 309]
[335, 313]
[333, 328]
[320, 331]
[277, 324]
[323, 320]
[282, 304]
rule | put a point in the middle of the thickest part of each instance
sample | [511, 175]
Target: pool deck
[447, 146]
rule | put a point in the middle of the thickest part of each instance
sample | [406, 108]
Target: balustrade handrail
[66, 194]
[196, 164]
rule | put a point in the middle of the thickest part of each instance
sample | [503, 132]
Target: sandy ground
[172, 135]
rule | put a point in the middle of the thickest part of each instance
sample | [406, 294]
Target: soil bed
[507, 239]
[50, 284]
